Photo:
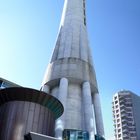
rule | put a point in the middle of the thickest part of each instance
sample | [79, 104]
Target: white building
[126, 113]
[71, 78]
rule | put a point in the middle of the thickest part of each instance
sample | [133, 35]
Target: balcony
[123, 115]
[124, 126]
[122, 105]
[124, 121]
[123, 110]
[122, 101]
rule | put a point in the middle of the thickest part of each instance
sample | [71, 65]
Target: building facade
[126, 115]
[70, 75]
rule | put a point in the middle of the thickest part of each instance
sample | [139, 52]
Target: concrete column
[98, 115]
[88, 110]
[62, 96]
[45, 88]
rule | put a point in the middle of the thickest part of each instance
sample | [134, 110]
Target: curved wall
[18, 118]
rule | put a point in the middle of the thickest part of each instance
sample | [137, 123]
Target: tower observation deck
[70, 75]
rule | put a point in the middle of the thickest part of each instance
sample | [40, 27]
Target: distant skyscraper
[70, 75]
[126, 112]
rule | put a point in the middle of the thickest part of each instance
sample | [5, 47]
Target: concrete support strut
[98, 115]
[88, 111]
[62, 96]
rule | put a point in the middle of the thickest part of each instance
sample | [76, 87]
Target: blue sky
[28, 30]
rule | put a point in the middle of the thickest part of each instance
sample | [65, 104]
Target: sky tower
[70, 75]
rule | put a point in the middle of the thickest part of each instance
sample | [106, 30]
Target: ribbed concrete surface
[72, 61]
[73, 40]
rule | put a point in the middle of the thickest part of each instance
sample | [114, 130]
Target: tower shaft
[72, 39]
[70, 75]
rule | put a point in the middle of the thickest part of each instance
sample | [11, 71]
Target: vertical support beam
[88, 111]
[98, 114]
[62, 96]
[45, 88]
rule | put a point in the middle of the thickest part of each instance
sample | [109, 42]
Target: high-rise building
[126, 115]
[70, 77]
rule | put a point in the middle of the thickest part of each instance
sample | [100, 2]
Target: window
[133, 134]
[118, 120]
[70, 134]
[119, 135]
[129, 104]
[116, 102]
[129, 114]
[132, 129]
[117, 106]
[119, 130]
[118, 125]
[115, 97]
[129, 119]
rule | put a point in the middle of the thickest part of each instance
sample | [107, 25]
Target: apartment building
[126, 113]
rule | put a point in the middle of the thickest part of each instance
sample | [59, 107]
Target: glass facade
[70, 134]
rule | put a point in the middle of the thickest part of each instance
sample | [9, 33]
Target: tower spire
[70, 75]
[72, 40]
